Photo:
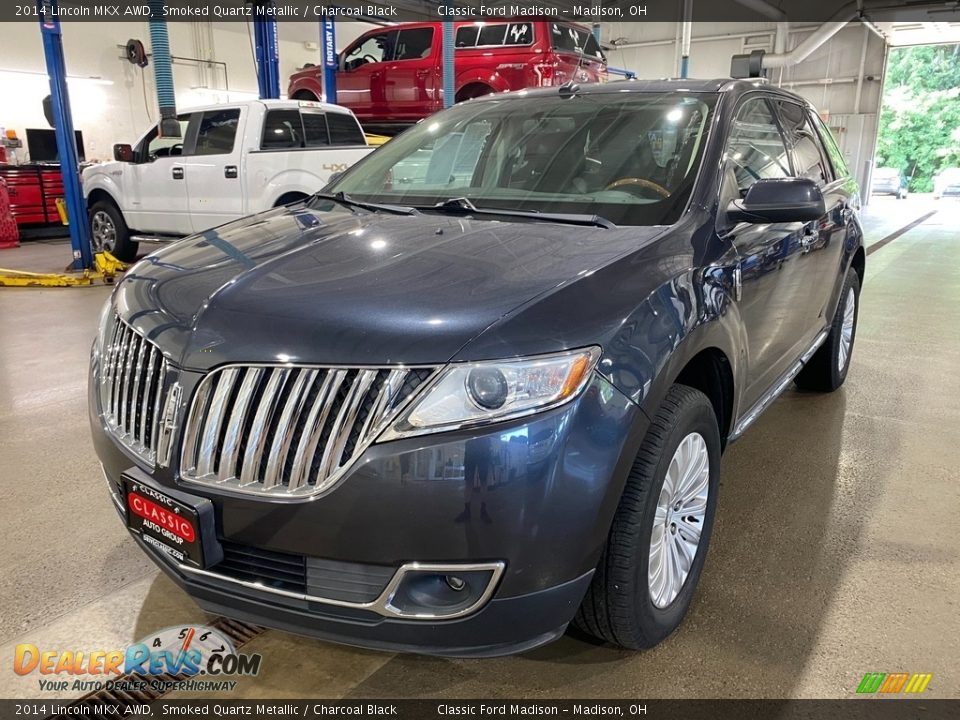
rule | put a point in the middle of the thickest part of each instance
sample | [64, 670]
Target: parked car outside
[230, 161]
[455, 414]
[889, 181]
[946, 183]
[392, 76]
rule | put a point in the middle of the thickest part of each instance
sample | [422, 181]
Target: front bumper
[504, 626]
[547, 487]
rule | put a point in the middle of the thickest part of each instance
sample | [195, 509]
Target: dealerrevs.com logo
[180, 651]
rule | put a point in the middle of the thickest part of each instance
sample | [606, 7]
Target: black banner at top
[587, 11]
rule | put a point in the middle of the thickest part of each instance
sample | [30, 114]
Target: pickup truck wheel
[828, 367]
[109, 232]
[655, 552]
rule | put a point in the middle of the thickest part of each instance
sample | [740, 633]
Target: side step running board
[155, 238]
[776, 389]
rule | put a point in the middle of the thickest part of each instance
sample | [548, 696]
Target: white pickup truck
[230, 161]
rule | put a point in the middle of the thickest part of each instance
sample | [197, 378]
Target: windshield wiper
[344, 199]
[463, 206]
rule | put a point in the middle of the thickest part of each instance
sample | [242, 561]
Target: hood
[103, 168]
[304, 285]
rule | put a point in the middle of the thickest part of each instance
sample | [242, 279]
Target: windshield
[628, 157]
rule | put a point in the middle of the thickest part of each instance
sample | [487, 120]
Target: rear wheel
[108, 232]
[655, 552]
[827, 369]
[289, 198]
[474, 90]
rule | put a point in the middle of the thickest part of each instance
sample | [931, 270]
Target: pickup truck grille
[131, 381]
[288, 430]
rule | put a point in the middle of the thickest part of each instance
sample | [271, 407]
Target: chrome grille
[285, 430]
[131, 381]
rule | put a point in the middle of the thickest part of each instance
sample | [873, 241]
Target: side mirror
[334, 177]
[122, 152]
[777, 200]
[341, 63]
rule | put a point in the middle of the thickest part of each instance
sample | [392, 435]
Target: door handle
[177, 173]
[230, 171]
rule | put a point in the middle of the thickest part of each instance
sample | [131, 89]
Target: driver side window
[755, 150]
[153, 146]
[374, 49]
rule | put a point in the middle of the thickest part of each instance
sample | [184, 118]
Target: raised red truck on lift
[392, 76]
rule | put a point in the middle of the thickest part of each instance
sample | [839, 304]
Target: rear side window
[519, 34]
[567, 38]
[810, 161]
[414, 44]
[218, 132]
[292, 129]
[755, 149]
[315, 129]
[344, 129]
[282, 129]
[494, 34]
[833, 150]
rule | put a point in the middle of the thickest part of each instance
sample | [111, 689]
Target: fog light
[455, 583]
[442, 591]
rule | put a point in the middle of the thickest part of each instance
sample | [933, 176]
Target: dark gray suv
[478, 389]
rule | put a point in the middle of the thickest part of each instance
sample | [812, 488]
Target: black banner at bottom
[873, 708]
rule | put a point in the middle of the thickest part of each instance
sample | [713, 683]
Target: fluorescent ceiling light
[70, 78]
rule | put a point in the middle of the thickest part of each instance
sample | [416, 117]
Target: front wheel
[108, 232]
[828, 367]
[655, 552]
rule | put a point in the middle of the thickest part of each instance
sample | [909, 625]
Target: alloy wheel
[678, 521]
[103, 233]
[846, 329]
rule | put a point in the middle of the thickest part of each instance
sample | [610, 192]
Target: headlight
[474, 393]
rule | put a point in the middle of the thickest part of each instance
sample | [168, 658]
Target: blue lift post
[268, 53]
[47, 11]
[331, 63]
[449, 69]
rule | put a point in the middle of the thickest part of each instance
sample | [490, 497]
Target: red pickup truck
[392, 76]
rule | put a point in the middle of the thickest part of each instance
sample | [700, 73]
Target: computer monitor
[42, 145]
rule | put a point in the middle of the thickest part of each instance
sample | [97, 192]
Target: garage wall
[828, 78]
[109, 113]
[113, 109]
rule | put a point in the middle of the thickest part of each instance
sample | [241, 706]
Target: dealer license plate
[165, 524]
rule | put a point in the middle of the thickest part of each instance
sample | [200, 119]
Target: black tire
[102, 214]
[618, 606]
[823, 372]
[289, 199]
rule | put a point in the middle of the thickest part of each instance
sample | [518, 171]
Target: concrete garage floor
[835, 551]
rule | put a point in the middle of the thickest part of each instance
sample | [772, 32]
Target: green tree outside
[920, 119]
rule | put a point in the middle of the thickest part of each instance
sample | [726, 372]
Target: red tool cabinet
[33, 191]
